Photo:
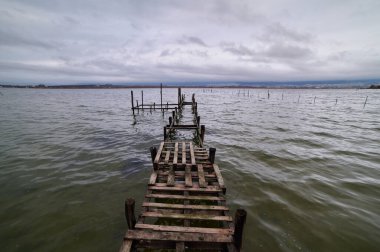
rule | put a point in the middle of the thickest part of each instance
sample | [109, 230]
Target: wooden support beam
[133, 106]
[165, 136]
[158, 155]
[203, 130]
[130, 212]
[240, 217]
[187, 216]
[181, 197]
[182, 206]
[211, 155]
[126, 246]
[153, 153]
[201, 175]
[185, 229]
[177, 236]
[188, 177]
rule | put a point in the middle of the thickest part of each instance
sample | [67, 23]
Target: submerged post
[138, 109]
[211, 155]
[170, 121]
[240, 217]
[153, 153]
[179, 96]
[365, 102]
[130, 213]
[203, 130]
[161, 96]
[198, 120]
[142, 100]
[133, 107]
[164, 133]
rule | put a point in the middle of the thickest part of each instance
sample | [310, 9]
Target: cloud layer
[175, 41]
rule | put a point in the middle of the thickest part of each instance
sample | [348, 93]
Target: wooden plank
[169, 196]
[192, 156]
[175, 158]
[171, 179]
[179, 246]
[201, 175]
[157, 159]
[219, 176]
[182, 174]
[171, 187]
[167, 157]
[126, 246]
[183, 153]
[185, 229]
[153, 178]
[187, 216]
[182, 206]
[177, 236]
[188, 177]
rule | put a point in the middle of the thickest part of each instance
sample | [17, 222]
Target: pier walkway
[185, 205]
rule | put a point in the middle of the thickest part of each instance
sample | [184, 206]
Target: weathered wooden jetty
[185, 205]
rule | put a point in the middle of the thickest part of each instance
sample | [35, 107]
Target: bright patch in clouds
[174, 41]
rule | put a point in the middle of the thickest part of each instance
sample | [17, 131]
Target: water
[307, 174]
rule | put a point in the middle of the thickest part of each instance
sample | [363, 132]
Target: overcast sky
[49, 41]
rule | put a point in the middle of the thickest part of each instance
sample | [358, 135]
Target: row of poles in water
[282, 96]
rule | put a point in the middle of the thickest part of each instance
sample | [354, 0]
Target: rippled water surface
[305, 164]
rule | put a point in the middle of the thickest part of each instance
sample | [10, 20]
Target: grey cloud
[11, 39]
[278, 31]
[287, 51]
[191, 40]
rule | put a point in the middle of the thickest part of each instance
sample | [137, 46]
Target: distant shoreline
[336, 86]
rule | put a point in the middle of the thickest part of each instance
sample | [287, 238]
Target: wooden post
[240, 217]
[170, 120]
[299, 96]
[154, 106]
[174, 115]
[365, 102]
[282, 97]
[268, 94]
[179, 96]
[336, 101]
[138, 109]
[164, 133]
[314, 99]
[203, 129]
[161, 96]
[198, 121]
[167, 105]
[133, 106]
[153, 153]
[142, 100]
[130, 213]
[211, 155]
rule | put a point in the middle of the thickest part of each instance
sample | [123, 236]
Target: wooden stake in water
[268, 94]
[299, 96]
[282, 97]
[161, 96]
[314, 99]
[336, 101]
[133, 107]
[365, 102]
[142, 100]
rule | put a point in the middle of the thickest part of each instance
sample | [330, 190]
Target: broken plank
[175, 158]
[188, 177]
[185, 229]
[183, 153]
[153, 178]
[219, 176]
[176, 236]
[201, 175]
[192, 156]
[187, 216]
[182, 206]
[170, 196]
[171, 178]
[157, 159]
[126, 246]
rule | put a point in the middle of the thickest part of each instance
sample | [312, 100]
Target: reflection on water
[307, 173]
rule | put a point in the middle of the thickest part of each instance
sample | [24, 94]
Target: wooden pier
[185, 205]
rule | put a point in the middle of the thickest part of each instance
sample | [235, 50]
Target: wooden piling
[314, 99]
[161, 96]
[142, 100]
[211, 155]
[203, 130]
[165, 133]
[138, 108]
[133, 107]
[130, 213]
[170, 120]
[365, 102]
[240, 217]
[153, 153]
[198, 121]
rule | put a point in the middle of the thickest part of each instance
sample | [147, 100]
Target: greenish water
[307, 173]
